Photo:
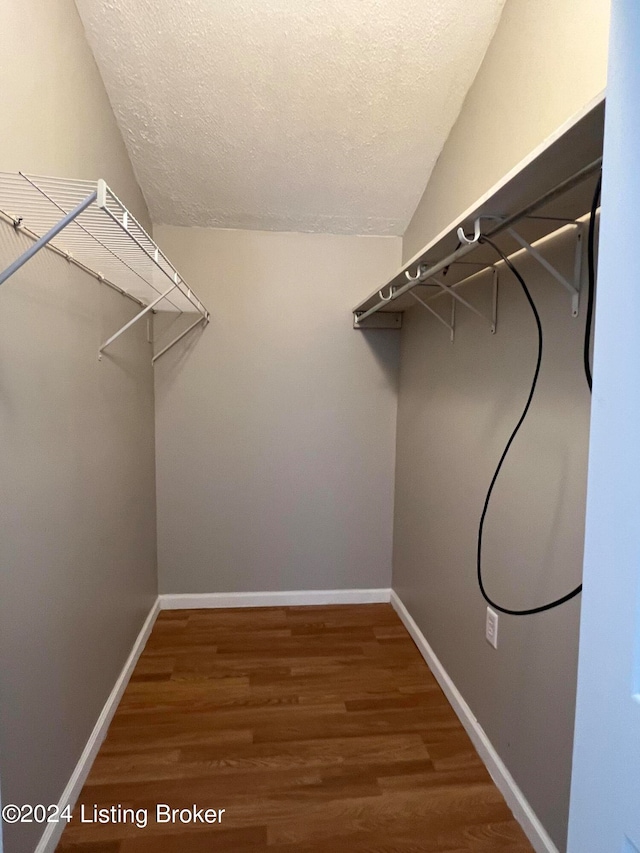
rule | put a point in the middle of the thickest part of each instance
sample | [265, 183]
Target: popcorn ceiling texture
[300, 115]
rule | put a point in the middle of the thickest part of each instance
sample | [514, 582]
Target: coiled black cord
[587, 368]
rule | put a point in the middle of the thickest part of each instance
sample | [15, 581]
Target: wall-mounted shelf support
[572, 286]
[451, 290]
[451, 326]
[381, 320]
[454, 295]
[179, 338]
[135, 319]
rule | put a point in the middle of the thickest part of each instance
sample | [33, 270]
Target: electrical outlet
[491, 631]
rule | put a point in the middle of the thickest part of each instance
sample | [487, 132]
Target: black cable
[592, 278]
[587, 345]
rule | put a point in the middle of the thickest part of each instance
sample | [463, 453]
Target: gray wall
[458, 404]
[275, 427]
[77, 503]
[56, 116]
[547, 59]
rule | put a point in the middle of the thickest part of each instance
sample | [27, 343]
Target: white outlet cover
[491, 631]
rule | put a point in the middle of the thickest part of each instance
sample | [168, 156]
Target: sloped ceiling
[301, 115]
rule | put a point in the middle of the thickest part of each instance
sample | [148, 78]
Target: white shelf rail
[88, 224]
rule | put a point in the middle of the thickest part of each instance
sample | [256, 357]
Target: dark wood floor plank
[316, 729]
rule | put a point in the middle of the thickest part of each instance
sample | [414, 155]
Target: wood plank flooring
[316, 729]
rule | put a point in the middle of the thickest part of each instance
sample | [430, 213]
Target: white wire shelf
[103, 238]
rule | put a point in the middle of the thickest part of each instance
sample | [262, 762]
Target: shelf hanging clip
[389, 296]
[462, 237]
[418, 278]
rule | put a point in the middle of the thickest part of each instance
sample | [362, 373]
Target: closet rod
[31, 235]
[500, 225]
[42, 242]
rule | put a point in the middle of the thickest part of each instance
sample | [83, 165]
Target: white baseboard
[51, 835]
[516, 800]
[195, 601]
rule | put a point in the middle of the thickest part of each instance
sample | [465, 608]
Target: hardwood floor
[316, 729]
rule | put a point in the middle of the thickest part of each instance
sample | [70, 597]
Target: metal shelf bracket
[492, 321]
[380, 320]
[573, 287]
[451, 326]
[135, 319]
[204, 319]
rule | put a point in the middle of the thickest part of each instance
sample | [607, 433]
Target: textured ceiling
[301, 115]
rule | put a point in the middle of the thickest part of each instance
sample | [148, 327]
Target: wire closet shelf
[88, 224]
